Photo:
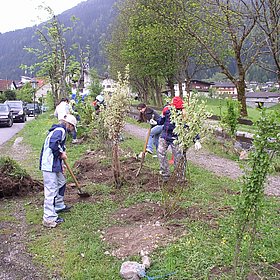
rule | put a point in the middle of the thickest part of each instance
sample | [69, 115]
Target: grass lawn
[76, 250]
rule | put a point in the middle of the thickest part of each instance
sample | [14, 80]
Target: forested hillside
[94, 17]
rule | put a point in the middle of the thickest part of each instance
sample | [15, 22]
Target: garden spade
[80, 192]
[144, 151]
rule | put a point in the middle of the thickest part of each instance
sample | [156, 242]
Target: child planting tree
[182, 124]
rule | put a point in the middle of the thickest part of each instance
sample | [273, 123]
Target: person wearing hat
[62, 109]
[98, 102]
[51, 164]
[168, 137]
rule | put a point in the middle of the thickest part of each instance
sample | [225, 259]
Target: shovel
[144, 151]
[80, 192]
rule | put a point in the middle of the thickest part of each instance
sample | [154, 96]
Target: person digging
[51, 164]
[168, 137]
[148, 114]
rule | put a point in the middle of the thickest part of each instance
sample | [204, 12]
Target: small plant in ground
[117, 109]
[249, 211]
[86, 112]
[189, 123]
[229, 119]
[102, 132]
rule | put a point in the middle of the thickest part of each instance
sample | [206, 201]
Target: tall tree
[54, 56]
[226, 30]
[155, 44]
[232, 24]
[269, 22]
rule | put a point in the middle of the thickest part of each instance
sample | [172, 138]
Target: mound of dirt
[16, 184]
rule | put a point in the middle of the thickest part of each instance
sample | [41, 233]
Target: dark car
[18, 110]
[6, 115]
[30, 109]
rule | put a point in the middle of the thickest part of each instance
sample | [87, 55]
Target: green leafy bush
[11, 168]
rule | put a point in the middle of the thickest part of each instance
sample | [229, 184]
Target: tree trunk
[181, 94]
[188, 89]
[240, 85]
[158, 95]
[116, 165]
[170, 84]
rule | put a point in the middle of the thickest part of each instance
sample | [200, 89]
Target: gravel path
[218, 165]
[15, 262]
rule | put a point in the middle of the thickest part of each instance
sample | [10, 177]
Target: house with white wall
[108, 85]
[262, 99]
[224, 89]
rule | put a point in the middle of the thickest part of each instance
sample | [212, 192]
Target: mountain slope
[94, 18]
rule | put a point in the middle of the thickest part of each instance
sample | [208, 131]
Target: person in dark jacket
[146, 115]
[51, 163]
[168, 137]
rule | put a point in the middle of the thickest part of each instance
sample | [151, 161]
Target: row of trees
[168, 41]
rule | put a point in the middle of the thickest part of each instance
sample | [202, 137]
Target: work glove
[197, 145]
[153, 122]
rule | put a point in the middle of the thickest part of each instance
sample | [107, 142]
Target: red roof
[5, 84]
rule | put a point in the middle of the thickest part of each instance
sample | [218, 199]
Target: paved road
[6, 133]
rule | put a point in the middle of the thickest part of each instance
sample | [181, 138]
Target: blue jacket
[54, 145]
[168, 127]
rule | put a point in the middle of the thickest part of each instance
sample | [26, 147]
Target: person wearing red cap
[168, 136]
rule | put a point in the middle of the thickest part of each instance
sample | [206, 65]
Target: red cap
[177, 102]
[165, 109]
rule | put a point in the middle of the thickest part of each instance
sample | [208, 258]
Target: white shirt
[61, 110]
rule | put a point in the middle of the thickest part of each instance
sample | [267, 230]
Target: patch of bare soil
[92, 169]
[11, 186]
[140, 227]
[14, 185]
[144, 227]
[12, 182]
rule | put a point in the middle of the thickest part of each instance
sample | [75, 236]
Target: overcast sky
[18, 14]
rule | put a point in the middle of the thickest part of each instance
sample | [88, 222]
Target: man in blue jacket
[51, 163]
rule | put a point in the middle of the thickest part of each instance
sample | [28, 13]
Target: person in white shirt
[63, 109]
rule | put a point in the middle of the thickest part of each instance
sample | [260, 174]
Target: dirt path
[15, 262]
[219, 166]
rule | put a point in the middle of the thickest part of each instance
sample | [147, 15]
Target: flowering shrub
[117, 108]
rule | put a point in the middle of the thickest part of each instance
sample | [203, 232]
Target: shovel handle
[144, 151]
[147, 140]
[72, 174]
